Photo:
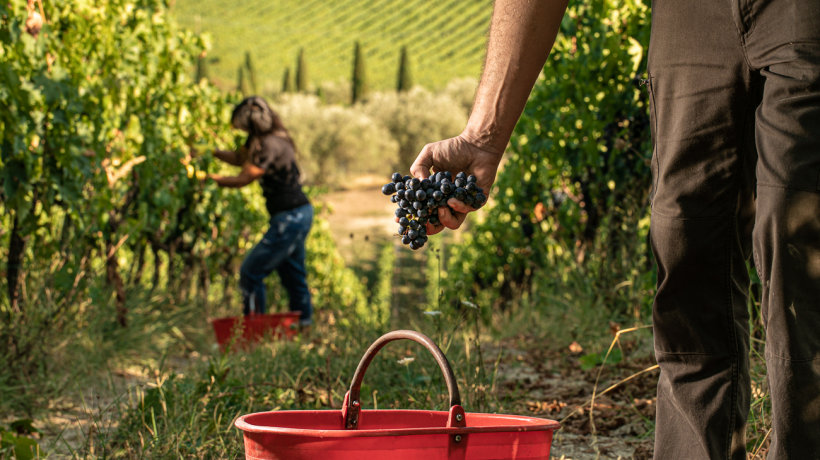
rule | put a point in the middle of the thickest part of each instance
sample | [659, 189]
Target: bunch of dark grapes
[418, 201]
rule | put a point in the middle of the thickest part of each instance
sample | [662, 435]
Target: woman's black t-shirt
[281, 185]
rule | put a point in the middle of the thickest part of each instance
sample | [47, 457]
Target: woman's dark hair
[255, 116]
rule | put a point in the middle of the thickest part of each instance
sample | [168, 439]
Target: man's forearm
[522, 33]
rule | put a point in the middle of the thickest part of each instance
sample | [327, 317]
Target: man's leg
[703, 97]
[783, 41]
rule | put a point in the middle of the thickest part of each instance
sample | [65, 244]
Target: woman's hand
[456, 154]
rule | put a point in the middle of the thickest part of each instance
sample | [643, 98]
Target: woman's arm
[250, 172]
[230, 157]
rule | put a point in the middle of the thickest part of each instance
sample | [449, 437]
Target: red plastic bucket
[254, 327]
[353, 433]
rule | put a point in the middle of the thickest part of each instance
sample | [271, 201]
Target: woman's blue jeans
[281, 249]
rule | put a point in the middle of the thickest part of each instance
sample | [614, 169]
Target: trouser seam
[786, 358]
[731, 320]
[670, 216]
[790, 188]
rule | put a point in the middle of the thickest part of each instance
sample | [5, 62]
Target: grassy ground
[163, 389]
[444, 40]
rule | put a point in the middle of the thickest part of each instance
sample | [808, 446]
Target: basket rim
[283, 315]
[530, 424]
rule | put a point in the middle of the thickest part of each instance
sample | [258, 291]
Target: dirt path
[545, 384]
[542, 383]
[552, 384]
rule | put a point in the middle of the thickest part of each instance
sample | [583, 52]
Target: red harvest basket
[254, 327]
[353, 433]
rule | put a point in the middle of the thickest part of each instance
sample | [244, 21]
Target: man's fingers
[459, 206]
[421, 167]
[449, 219]
[433, 229]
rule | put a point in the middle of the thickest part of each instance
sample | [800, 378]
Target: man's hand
[456, 154]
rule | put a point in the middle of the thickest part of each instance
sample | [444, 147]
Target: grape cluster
[418, 201]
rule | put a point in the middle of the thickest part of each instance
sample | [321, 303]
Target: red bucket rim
[528, 424]
[290, 314]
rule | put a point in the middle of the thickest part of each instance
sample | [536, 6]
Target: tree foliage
[574, 187]
[359, 78]
[103, 136]
[404, 81]
[301, 72]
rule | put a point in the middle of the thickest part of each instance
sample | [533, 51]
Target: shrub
[414, 118]
[462, 91]
[334, 92]
[334, 141]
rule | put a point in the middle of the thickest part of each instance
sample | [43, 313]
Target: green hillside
[445, 39]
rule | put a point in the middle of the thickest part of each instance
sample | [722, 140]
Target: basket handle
[352, 404]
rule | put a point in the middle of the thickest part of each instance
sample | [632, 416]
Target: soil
[548, 384]
[553, 385]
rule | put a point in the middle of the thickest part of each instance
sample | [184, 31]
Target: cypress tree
[240, 82]
[301, 72]
[405, 81]
[359, 86]
[251, 73]
[201, 69]
[286, 86]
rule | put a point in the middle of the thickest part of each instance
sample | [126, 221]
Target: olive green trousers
[735, 110]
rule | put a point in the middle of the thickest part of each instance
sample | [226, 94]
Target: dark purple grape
[406, 239]
[406, 178]
[394, 199]
[404, 203]
[446, 188]
[461, 175]
[425, 183]
[471, 187]
[461, 182]
[472, 179]
[422, 213]
[418, 205]
[402, 229]
[415, 183]
[437, 195]
[404, 221]
[480, 199]
[410, 195]
[396, 177]
[389, 189]
[413, 234]
[421, 195]
[414, 224]
[400, 212]
[400, 186]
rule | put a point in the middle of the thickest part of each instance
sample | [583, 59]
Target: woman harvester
[269, 155]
